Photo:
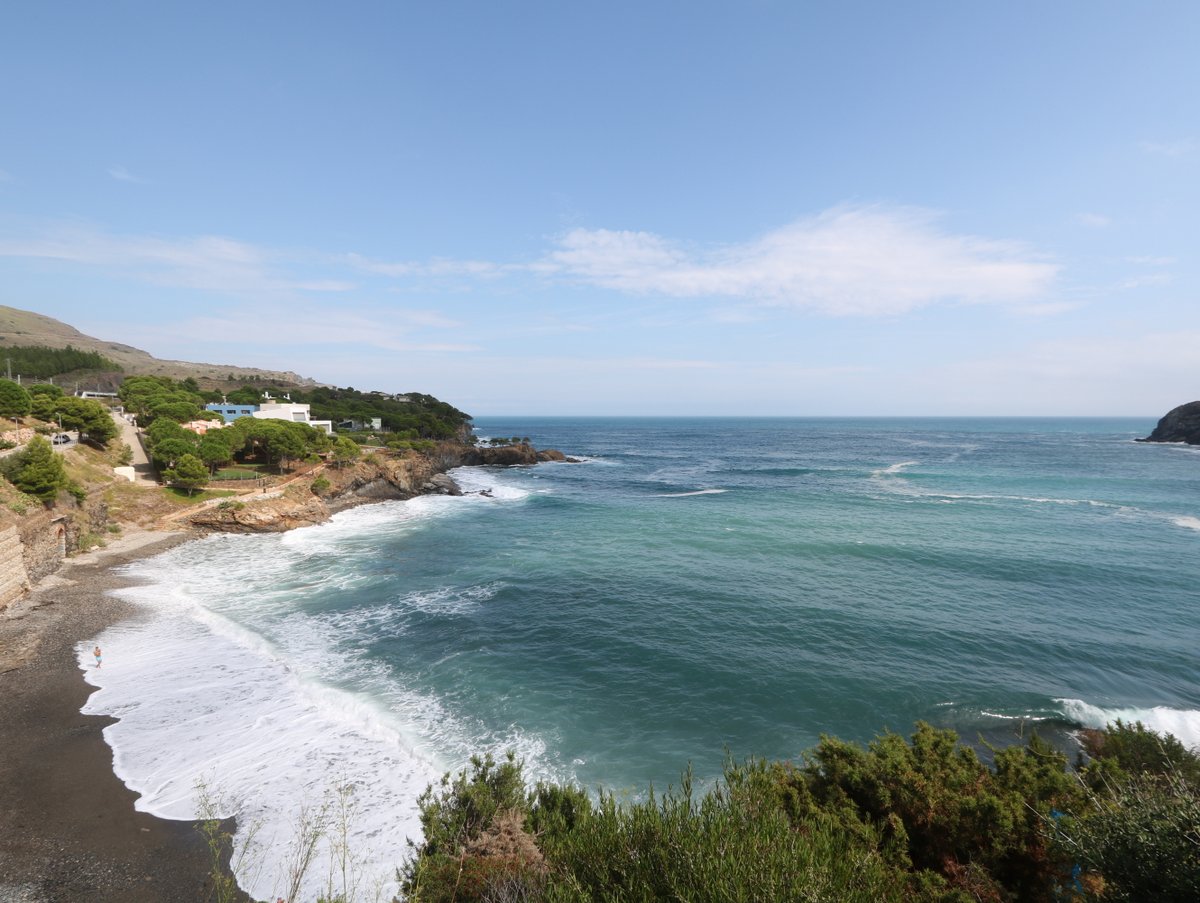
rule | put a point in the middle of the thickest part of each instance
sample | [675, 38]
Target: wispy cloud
[845, 261]
[209, 262]
[121, 174]
[436, 267]
[850, 260]
[1178, 148]
[392, 330]
[1094, 220]
[1141, 281]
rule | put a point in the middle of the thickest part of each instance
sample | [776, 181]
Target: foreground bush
[921, 819]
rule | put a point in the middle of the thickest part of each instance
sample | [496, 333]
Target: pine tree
[39, 471]
[14, 400]
[190, 473]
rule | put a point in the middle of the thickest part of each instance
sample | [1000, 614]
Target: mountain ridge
[24, 327]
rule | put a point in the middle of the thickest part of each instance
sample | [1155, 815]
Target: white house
[297, 413]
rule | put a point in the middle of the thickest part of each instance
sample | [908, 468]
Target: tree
[190, 473]
[14, 400]
[345, 450]
[214, 451]
[170, 452]
[38, 471]
[87, 416]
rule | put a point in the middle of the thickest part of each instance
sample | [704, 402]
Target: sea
[690, 590]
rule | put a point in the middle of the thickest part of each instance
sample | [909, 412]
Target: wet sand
[68, 829]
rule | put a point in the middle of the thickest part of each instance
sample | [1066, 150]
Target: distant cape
[1181, 424]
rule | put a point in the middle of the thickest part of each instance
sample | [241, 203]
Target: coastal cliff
[374, 478]
[1181, 424]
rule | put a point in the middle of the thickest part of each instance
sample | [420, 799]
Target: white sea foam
[488, 479]
[230, 680]
[1191, 523]
[683, 495]
[1184, 724]
[196, 705]
[892, 469]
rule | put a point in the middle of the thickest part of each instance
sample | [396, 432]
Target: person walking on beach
[96, 652]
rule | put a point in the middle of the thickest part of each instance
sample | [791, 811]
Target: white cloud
[866, 260]
[1178, 148]
[845, 261]
[325, 285]
[1049, 309]
[207, 262]
[121, 174]
[1095, 220]
[1140, 281]
[436, 267]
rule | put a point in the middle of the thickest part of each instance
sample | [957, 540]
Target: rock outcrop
[314, 499]
[520, 455]
[1181, 424]
[374, 478]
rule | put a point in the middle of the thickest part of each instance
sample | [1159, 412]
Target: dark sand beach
[68, 829]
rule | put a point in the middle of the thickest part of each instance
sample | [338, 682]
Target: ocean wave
[1191, 523]
[1184, 724]
[194, 706]
[893, 469]
[490, 480]
[683, 495]
[228, 680]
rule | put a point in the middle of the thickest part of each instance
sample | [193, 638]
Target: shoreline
[68, 827]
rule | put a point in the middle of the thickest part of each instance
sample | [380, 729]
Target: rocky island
[1181, 424]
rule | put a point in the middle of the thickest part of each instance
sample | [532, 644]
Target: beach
[68, 827]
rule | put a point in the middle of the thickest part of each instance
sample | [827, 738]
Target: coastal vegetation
[917, 819]
[409, 416]
[37, 471]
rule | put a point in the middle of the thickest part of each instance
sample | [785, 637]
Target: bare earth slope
[23, 327]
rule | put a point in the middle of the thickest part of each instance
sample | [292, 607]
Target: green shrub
[733, 843]
[1141, 834]
[319, 485]
[922, 819]
[1133, 749]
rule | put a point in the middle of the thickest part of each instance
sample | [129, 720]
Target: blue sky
[623, 208]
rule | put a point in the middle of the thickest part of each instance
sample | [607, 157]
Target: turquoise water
[692, 587]
[850, 576]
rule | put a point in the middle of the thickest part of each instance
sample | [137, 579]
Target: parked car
[61, 439]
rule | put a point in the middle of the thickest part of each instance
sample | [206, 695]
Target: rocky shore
[374, 478]
[1181, 424]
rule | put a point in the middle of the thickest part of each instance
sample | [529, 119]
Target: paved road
[142, 471]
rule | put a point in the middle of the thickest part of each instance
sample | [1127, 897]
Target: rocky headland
[373, 478]
[1181, 424]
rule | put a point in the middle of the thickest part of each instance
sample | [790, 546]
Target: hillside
[23, 327]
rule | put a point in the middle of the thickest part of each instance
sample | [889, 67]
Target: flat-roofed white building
[297, 413]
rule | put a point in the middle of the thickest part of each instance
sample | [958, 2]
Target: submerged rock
[1181, 424]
